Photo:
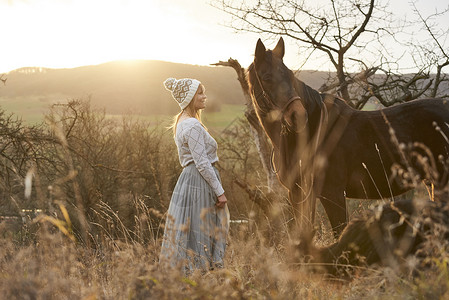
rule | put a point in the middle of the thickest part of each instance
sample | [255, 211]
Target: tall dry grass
[104, 187]
[56, 267]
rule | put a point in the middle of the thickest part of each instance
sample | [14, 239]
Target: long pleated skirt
[195, 229]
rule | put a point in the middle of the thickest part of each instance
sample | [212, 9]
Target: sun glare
[66, 33]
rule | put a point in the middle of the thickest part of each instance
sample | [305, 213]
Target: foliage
[104, 184]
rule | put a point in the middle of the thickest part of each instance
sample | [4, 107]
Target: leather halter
[268, 99]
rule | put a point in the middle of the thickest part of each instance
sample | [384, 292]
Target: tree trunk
[262, 143]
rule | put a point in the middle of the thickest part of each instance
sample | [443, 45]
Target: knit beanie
[182, 90]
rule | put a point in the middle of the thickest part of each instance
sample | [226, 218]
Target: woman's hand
[221, 201]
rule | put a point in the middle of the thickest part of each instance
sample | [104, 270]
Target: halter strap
[264, 94]
[267, 97]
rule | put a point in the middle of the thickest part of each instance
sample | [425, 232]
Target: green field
[33, 110]
[216, 120]
[221, 119]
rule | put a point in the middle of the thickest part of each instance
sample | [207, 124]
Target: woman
[197, 221]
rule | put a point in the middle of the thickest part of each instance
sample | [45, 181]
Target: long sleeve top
[196, 145]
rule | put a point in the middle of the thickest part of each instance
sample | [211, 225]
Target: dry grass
[115, 254]
[53, 266]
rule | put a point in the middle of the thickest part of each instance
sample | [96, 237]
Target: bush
[104, 185]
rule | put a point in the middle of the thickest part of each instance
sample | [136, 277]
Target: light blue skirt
[195, 229]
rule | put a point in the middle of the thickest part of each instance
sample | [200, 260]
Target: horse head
[272, 86]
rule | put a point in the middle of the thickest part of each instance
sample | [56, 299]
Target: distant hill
[123, 86]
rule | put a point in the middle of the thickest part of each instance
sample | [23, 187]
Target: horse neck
[313, 103]
[311, 98]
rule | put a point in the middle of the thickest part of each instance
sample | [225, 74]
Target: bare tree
[428, 55]
[342, 32]
[434, 50]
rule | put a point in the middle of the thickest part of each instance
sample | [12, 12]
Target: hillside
[121, 87]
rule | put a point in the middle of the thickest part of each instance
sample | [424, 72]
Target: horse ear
[260, 50]
[279, 50]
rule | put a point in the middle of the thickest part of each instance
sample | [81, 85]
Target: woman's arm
[197, 147]
[222, 201]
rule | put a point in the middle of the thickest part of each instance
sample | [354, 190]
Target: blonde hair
[190, 111]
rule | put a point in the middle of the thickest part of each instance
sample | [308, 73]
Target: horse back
[375, 145]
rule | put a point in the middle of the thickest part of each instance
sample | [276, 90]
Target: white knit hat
[182, 90]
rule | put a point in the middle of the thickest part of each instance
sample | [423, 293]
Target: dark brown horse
[325, 149]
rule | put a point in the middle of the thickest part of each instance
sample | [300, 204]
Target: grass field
[32, 110]
[55, 267]
[216, 121]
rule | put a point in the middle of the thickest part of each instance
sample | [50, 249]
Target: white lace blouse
[196, 145]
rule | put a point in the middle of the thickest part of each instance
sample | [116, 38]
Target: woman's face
[199, 100]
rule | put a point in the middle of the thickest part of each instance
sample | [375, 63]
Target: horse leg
[336, 212]
[303, 204]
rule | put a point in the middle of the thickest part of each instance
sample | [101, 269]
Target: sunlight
[73, 33]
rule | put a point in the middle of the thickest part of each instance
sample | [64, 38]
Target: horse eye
[266, 77]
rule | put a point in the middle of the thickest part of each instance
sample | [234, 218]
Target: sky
[71, 33]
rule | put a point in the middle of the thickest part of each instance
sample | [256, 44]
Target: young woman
[197, 221]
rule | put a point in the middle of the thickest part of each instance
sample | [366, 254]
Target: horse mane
[311, 98]
[249, 76]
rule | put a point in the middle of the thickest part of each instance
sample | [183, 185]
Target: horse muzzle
[294, 115]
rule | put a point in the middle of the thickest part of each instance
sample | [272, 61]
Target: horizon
[131, 61]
